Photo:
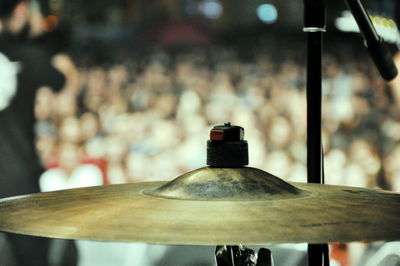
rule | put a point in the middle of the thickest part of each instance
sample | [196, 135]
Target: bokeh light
[211, 9]
[267, 13]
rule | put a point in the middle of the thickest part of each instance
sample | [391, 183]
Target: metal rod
[361, 16]
[314, 124]
[377, 48]
[314, 109]
[314, 25]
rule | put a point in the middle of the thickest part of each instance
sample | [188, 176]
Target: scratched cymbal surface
[208, 206]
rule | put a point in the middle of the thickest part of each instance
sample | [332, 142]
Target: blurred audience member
[24, 69]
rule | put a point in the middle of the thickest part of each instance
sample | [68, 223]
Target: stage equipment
[243, 256]
[208, 206]
[315, 26]
[375, 44]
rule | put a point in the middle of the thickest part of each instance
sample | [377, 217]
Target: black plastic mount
[226, 147]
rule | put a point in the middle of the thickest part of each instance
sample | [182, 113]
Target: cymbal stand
[227, 148]
[242, 256]
[315, 26]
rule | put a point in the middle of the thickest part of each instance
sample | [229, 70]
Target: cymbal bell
[208, 206]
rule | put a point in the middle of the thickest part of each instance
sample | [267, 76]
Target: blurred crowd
[147, 116]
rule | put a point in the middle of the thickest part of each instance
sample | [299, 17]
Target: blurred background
[152, 78]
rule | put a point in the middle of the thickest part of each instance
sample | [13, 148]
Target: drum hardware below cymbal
[242, 256]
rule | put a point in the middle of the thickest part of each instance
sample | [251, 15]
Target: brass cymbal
[208, 206]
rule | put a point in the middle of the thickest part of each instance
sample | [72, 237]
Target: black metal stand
[314, 26]
[314, 117]
[242, 256]
[379, 52]
[316, 254]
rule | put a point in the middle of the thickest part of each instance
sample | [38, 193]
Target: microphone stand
[315, 26]
[379, 52]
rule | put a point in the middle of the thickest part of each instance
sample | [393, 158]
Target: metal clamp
[242, 256]
[314, 29]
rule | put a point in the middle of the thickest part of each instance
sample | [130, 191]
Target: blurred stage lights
[211, 9]
[267, 13]
[385, 27]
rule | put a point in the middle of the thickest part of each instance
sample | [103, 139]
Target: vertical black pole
[314, 26]
[314, 134]
[314, 98]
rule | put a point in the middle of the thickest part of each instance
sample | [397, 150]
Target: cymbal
[208, 206]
